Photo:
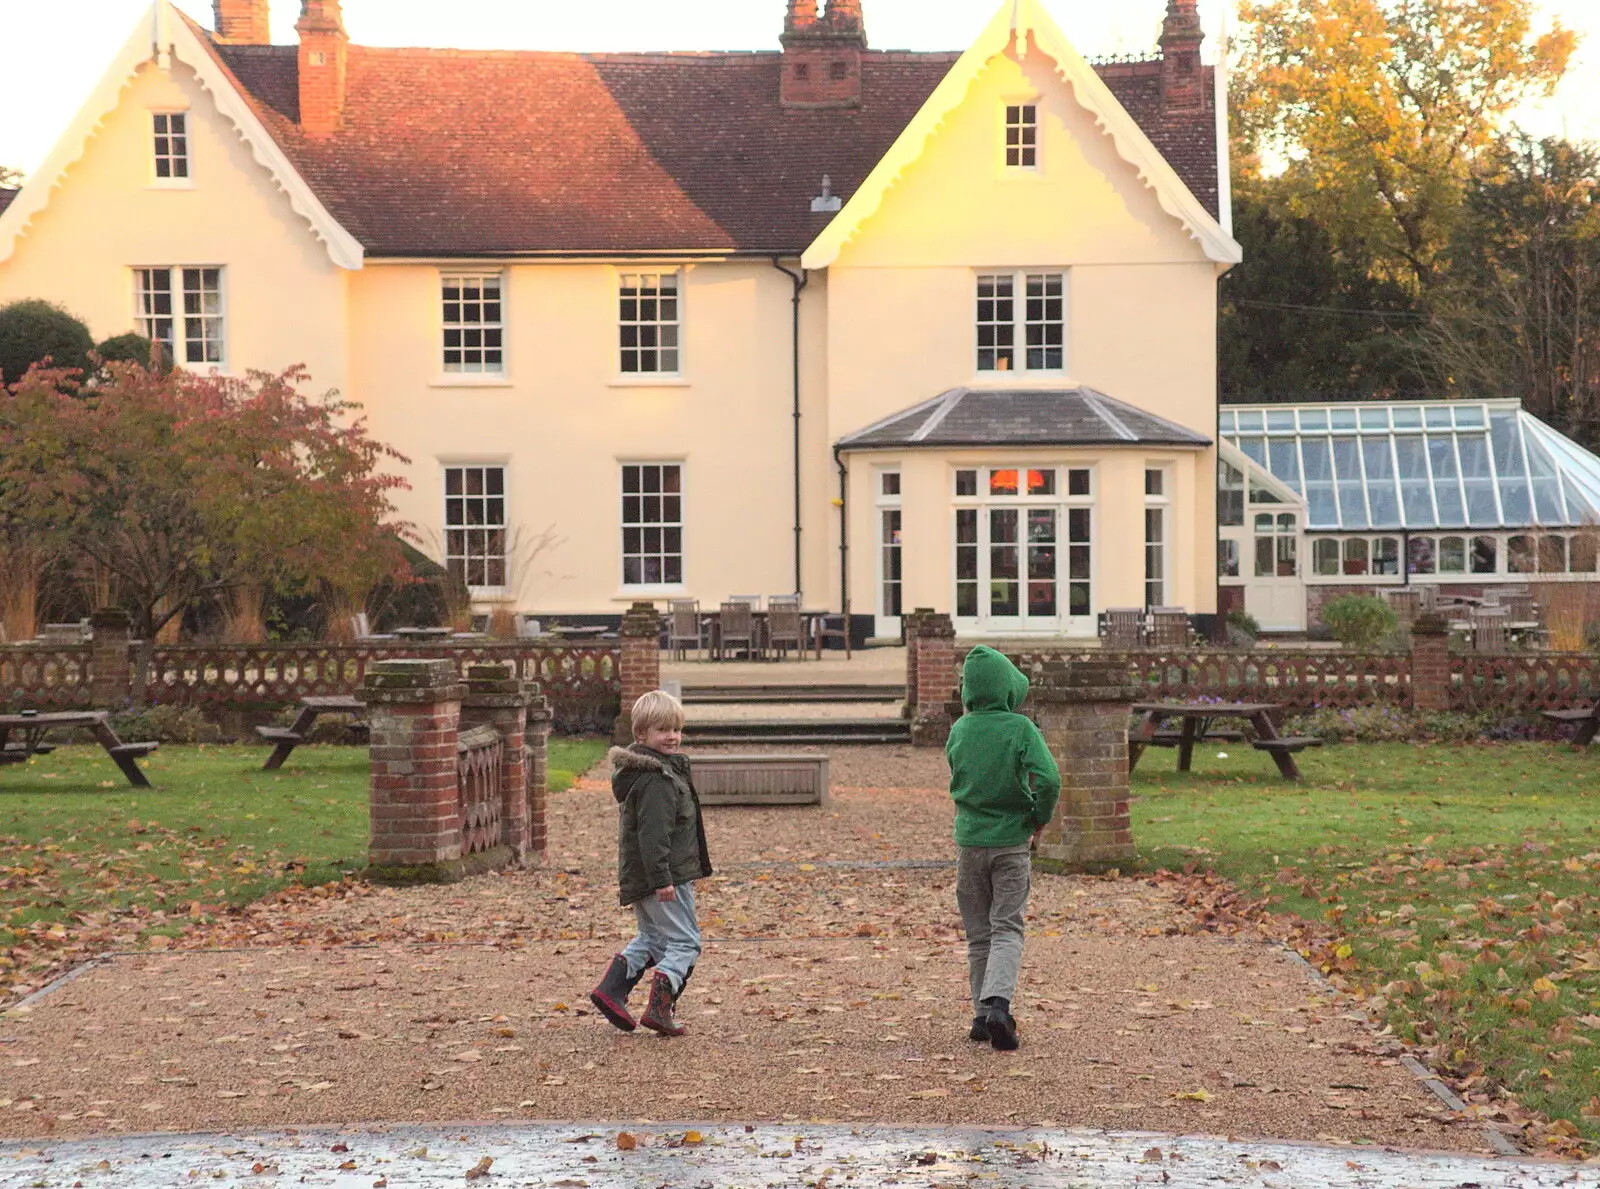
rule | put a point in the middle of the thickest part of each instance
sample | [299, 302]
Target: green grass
[216, 830]
[1459, 883]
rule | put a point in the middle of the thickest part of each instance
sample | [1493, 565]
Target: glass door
[890, 574]
[1023, 561]
[1274, 593]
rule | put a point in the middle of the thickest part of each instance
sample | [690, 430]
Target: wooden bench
[1171, 738]
[761, 779]
[1284, 749]
[285, 739]
[1588, 721]
[127, 756]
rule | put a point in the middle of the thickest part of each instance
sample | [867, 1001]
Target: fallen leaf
[1193, 1096]
[693, 1137]
[480, 1169]
[939, 1093]
[626, 1142]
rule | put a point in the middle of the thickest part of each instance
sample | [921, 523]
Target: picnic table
[1588, 720]
[286, 739]
[33, 726]
[1196, 719]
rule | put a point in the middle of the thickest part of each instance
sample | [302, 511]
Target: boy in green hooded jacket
[1005, 784]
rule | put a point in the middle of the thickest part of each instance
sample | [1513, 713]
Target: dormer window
[171, 146]
[1022, 136]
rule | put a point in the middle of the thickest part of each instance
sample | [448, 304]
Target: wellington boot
[611, 996]
[658, 1016]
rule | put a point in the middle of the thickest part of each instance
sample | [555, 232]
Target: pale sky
[55, 50]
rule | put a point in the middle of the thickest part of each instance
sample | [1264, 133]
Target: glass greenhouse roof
[1420, 464]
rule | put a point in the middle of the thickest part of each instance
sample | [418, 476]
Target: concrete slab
[588, 1156]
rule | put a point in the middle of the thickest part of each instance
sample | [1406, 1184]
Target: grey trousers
[992, 884]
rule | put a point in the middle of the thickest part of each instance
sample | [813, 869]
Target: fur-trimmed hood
[630, 763]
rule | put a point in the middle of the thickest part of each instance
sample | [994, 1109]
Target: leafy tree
[1520, 315]
[128, 348]
[1381, 105]
[183, 488]
[32, 331]
[1303, 317]
[10, 179]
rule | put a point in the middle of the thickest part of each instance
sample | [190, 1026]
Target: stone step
[707, 694]
[789, 731]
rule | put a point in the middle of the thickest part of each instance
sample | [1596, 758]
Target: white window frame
[643, 525]
[462, 372]
[173, 181]
[639, 276]
[1019, 323]
[886, 502]
[466, 554]
[1158, 501]
[1014, 151]
[179, 345]
[1064, 502]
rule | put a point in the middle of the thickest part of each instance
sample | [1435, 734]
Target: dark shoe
[980, 1028]
[658, 1015]
[1002, 1030]
[611, 996]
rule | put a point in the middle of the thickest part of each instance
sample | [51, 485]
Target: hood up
[991, 682]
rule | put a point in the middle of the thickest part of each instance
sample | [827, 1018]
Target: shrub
[1243, 629]
[1394, 724]
[132, 348]
[165, 724]
[1360, 621]
[31, 330]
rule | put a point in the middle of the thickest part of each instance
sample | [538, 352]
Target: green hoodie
[1002, 777]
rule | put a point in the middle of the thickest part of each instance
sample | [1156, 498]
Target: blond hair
[657, 709]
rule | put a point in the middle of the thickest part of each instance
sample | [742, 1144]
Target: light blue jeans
[669, 936]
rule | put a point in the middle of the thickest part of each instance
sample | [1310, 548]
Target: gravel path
[826, 993]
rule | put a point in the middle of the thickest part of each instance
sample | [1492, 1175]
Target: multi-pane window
[475, 524]
[1022, 135]
[1155, 537]
[889, 517]
[1277, 541]
[652, 524]
[181, 309]
[171, 145]
[650, 323]
[1038, 321]
[474, 322]
[1012, 539]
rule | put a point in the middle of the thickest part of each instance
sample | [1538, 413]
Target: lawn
[89, 860]
[1459, 883]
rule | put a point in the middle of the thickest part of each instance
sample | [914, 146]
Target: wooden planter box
[761, 779]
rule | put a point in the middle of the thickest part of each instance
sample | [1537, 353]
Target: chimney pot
[323, 60]
[241, 22]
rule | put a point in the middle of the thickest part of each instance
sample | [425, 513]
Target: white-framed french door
[891, 570]
[1024, 550]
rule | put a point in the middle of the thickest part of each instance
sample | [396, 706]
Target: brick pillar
[908, 626]
[538, 769]
[496, 697]
[641, 663]
[937, 679]
[110, 675]
[1083, 710]
[414, 712]
[1430, 663]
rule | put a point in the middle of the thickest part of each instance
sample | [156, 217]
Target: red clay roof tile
[457, 153]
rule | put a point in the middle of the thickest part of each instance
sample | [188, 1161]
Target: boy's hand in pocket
[666, 895]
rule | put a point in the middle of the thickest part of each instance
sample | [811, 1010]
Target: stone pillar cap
[1084, 681]
[410, 680]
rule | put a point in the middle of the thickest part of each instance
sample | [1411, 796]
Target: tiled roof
[5, 198]
[1021, 417]
[458, 153]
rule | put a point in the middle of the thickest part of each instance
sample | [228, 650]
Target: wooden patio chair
[830, 626]
[683, 627]
[1124, 628]
[784, 627]
[1489, 629]
[738, 620]
[1169, 628]
[754, 601]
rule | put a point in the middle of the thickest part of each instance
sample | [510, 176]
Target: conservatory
[1316, 500]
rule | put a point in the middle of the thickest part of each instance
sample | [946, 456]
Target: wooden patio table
[1588, 720]
[1197, 716]
[34, 727]
[286, 739]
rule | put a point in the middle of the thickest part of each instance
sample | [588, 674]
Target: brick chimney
[323, 51]
[822, 54]
[1182, 80]
[241, 22]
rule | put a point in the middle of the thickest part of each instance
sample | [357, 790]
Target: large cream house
[890, 329]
